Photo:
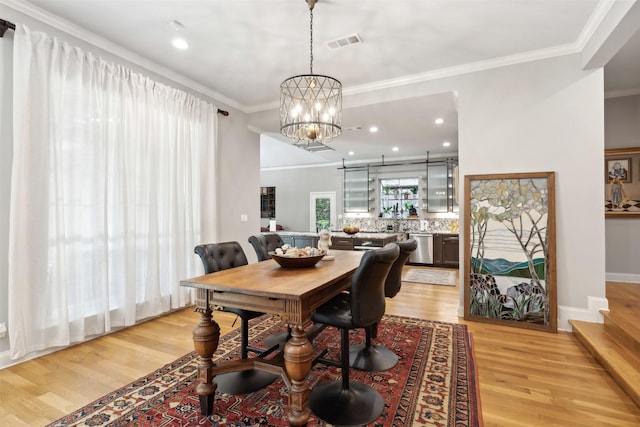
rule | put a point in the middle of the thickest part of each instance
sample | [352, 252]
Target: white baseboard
[589, 314]
[622, 277]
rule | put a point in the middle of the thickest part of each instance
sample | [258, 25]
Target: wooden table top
[267, 287]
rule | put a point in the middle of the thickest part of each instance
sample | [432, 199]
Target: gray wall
[528, 118]
[622, 130]
[292, 192]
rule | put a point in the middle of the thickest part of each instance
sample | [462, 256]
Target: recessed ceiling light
[439, 121]
[395, 149]
[373, 129]
[180, 44]
[351, 153]
[446, 144]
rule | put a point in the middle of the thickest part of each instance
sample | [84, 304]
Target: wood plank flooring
[527, 378]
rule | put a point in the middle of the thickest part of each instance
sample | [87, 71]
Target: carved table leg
[298, 356]
[206, 336]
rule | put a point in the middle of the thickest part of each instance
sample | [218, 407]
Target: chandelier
[311, 104]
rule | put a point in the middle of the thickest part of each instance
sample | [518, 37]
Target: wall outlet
[244, 218]
[3, 330]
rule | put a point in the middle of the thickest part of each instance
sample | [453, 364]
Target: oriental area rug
[434, 384]
[434, 277]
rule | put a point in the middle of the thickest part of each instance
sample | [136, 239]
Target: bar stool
[222, 256]
[351, 402]
[377, 358]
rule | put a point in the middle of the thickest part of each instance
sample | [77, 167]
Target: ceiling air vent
[345, 41]
[314, 147]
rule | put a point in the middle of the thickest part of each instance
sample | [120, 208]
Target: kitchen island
[341, 240]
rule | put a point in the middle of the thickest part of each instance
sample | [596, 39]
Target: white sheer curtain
[108, 194]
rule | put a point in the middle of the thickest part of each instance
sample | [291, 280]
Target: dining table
[291, 294]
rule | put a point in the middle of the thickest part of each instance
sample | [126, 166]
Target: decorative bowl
[297, 262]
[351, 231]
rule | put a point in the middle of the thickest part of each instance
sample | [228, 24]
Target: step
[623, 326]
[623, 295]
[621, 363]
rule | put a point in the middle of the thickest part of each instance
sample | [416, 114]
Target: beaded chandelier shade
[311, 104]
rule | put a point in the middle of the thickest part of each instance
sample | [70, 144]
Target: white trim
[101, 42]
[590, 314]
[623, 277]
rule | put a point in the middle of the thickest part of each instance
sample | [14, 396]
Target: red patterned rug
[434, 384]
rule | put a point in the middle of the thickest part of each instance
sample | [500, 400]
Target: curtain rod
[6, 25]
[223, 112]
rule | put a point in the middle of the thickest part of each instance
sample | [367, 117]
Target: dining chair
[222, 256]
[368, 357]
[348, 402]
[265, 243]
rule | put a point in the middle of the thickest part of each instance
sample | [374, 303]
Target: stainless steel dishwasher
[424, 252]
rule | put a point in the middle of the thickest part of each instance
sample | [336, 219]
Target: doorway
[322, 211]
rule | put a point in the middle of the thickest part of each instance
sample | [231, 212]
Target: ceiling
[241, 50]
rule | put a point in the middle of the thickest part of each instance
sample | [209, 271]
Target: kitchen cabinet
[342, 243]
[362, 241]
[438, 193]
[446, 250]
[267, 202]
[358, 191]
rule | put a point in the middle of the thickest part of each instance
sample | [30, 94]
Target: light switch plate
[244, 218]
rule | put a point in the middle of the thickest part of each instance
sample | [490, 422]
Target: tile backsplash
[372, 225]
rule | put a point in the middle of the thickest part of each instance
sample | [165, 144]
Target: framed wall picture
[618, 168]
[622, 183]
[510, 262]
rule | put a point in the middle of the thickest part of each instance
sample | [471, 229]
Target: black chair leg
[244, 382]
[279, 339]
[371, 358]
[345, 402]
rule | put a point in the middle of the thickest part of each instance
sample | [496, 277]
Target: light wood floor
[527, 378]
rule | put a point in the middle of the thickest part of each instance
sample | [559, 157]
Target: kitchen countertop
[365, 235]
[360, 235]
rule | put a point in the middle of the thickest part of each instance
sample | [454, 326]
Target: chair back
[367, 285]
[394, 279]
[221, 256]
[265, 243]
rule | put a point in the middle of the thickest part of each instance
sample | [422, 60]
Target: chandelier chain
[311, 40]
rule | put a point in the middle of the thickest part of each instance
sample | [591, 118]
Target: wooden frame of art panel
[510, 257]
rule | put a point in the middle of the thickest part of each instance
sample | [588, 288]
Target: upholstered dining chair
[348, 402]
[377, 358]
[265, 243]
[222, 256]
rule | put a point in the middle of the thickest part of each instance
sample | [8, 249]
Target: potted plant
[386, 190]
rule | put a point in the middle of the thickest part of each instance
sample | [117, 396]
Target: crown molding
[442, 73]
[83, 34]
